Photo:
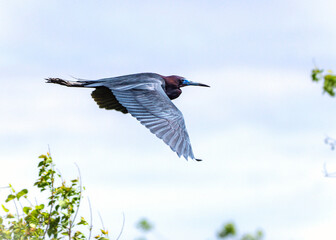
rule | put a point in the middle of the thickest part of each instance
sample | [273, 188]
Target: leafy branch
[229, 230]
[329, 80]
[56, 219]
[329, 86]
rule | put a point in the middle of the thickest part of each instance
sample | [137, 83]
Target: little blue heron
[147, 97]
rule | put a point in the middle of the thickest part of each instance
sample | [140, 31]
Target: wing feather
[152, 107]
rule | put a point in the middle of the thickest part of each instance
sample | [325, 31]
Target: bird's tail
[68, 83]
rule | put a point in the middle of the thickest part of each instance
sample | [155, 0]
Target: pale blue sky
[259, 128]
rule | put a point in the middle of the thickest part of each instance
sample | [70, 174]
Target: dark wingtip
[198, 160]
[60, 82]
[53, 80]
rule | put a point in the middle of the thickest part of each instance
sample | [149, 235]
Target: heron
[147, 97]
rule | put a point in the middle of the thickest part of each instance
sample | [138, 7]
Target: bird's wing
[104, 97]
[152, 107]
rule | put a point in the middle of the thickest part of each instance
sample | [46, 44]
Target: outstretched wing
[152, 107]
[104, 97]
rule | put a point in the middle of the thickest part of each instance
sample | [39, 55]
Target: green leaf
[21, 193]
[26, 210]
[329, 84]
[43, 156]
[64, 203]
[5, 209]
[144, 225]
[32, 225]
[228, 230]
[39, 207]
[10, 197]
[316, 74]
[82, 222]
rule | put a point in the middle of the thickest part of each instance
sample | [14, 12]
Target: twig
[17, 211]
[331, 142]
[90, 218]
[49, 150]
[12, 192]
[20, 205]
[101, 220]
[52, 200]
[326, 173]
[325, 169]
[70, 226]
[80, 195]
[29, 202]
[122, 227]
[60, 174]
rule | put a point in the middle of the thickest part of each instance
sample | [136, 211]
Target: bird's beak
[190, 83]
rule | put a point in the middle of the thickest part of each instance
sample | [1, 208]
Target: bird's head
[174, 83]
[178, 82]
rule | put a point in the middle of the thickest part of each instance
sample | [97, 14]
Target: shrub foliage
[57, 219]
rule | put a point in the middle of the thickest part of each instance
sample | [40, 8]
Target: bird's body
[147, 97]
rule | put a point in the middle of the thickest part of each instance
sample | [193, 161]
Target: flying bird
[147, 97]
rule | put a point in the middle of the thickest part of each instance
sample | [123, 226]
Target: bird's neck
[173, 92]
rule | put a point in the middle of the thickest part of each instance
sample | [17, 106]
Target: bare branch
[101, 220]
[80, 195]
[90, 218]
[17, 211]
[331, 142]
[52, 200]
[122, 227]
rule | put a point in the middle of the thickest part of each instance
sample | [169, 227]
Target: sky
[259, 129]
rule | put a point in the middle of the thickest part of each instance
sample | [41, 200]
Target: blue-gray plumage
[147, 97]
